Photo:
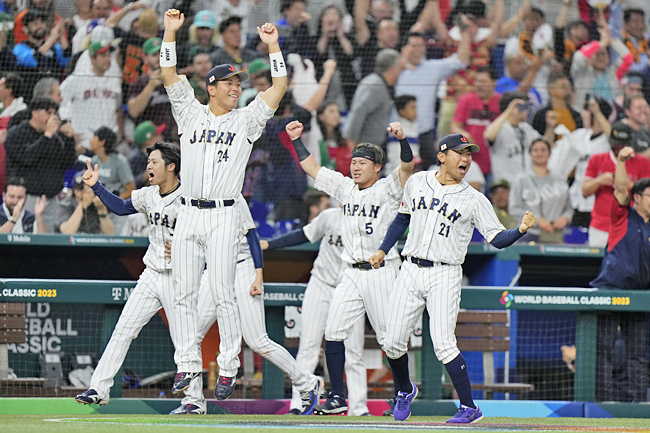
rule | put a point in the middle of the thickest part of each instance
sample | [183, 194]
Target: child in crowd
[406, 111]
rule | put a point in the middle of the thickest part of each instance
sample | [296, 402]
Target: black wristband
[406, 154]
[301, 151]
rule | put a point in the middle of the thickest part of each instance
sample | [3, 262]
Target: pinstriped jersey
[443, 218]
[214, 149]
[243, 250]
[161, 212]
[328, 266]
[367, 213]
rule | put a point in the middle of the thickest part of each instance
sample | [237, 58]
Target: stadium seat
[264, 229]
[575, 235]
[283, 227]
[259, 210]
[497, 59]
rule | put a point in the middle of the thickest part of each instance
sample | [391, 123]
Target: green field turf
[282, 423]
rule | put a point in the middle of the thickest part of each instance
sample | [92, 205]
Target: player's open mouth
[462, 168]
[150, 177]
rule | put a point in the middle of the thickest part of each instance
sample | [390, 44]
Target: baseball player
[325, 276]
[368, 204]
[250, 308]
[443, 210]
[216, 141]
[160, 202]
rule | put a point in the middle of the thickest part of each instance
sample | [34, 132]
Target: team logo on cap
[211, 79]
[232, 68]
[443, 147]
[463, 139]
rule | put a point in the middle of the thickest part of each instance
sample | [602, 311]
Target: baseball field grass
[280, 423]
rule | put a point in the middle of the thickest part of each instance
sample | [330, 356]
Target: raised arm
[272, 96]
[307, 161]
[114, 19]
[510, 25]
[115, 204]
[430, 18]
[361, 9]
[317, 98]
[406, 154]
[173, 20]
[621, 193]
[493, 128]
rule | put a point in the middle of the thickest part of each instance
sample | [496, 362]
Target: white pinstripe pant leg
[207, 312]
[406, 307]
[221, 258]
[251, 309]
[188, 261]
[347, 306]
[355, 370]
[315, 307]
[443, 303]
[142, 304]
[377, 285]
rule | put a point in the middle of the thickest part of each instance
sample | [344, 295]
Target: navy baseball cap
[621, 133]
[457, 142]
[221, 72]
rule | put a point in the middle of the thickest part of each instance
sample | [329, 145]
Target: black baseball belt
[423, 263]
[365, 266]
[202, 203]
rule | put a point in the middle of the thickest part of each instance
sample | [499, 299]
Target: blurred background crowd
[550, 91]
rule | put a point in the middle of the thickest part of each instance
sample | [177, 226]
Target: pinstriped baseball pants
[315, 307]
[250, 315]
[437, 288]
[204, 236]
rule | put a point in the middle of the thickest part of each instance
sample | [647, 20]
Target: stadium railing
[586, 302]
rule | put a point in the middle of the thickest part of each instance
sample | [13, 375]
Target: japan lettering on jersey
[443, 218]
[161, 211]
[328, 266]
[216, 147]
[367, 213]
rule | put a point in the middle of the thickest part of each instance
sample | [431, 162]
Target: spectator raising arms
[593, 73]
[599, 180]
[510, 137]
[332, 43]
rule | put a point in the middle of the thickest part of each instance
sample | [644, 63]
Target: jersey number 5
[369, 228]
[444, 230]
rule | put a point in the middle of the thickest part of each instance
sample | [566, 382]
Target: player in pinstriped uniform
[368, 206]
[216, 141]
[155, 288]
[326, 274]
[250, 306]
[443, 210]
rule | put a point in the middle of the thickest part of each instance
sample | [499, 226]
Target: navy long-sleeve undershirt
[114, 203]
[502, 239]
[255, 247]
[295, 237]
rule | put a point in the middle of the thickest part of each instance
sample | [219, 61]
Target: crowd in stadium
[538, 85]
